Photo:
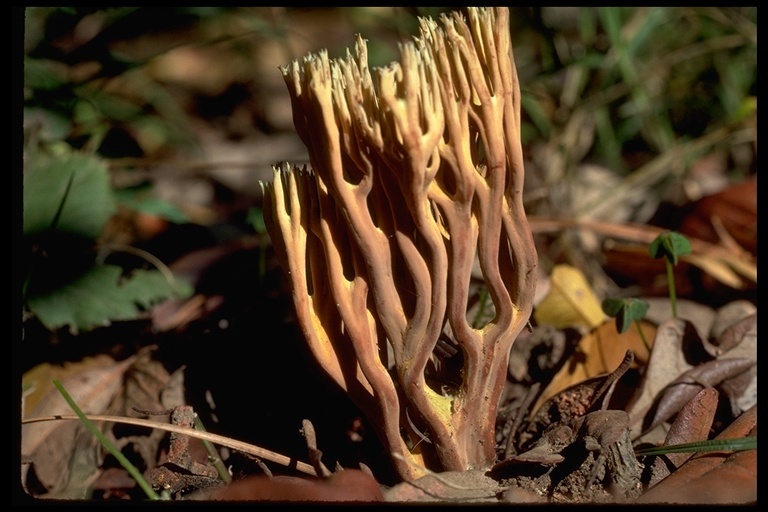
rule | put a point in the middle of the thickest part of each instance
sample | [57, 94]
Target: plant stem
[671, 285]
[642, 336]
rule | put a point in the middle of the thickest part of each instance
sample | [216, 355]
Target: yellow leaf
[570, 302]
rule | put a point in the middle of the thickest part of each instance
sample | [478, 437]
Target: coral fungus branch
[417, 174]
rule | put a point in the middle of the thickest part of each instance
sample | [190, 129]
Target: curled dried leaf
[733, 484]
[738, 331]
[685, 387]
[692, 423]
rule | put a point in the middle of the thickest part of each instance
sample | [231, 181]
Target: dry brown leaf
[680, 349]
[114, 479]
[666, 363]
[734, 321]
[92, 384]
[740, 341]
[736, 209]
[692, 424]
[735, 482]
[346, 485]
[685, 387]
[700, 315]
[147, 387]
[459, 487]
[732, 481]
[599, 352]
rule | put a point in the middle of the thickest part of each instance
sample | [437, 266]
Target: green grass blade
[132, 470]
[713, 445]
[213, 453]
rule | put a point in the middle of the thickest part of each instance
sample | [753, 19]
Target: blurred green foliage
[634, 81]
[67, 203]
[642, 91]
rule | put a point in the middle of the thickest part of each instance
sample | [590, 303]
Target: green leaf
[148, 287]
[101, 296]
[625, 311]
[69, 193]
[40, 75]
[140, 199]
[48, 125]
[612, 306]
[636, 309]
[670, 245]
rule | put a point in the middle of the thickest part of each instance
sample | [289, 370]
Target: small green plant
[670, 245]
[626, 311]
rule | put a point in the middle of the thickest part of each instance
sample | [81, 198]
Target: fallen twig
[207, 436]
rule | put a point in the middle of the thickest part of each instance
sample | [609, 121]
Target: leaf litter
[567, 444]
[575, 446]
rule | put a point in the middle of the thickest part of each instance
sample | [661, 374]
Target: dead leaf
[578, 400]
[570, 301]
[701, 316]
[469, 486]
[735, 207]
[599, 352]
[345, 485]
[740, 341]
[92, 383]
[692, 424]
[667, 361]
[112, 479]
[685, 387]
[735, 482]
[727, 317]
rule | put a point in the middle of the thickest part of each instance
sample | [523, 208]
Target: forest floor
[575, 408]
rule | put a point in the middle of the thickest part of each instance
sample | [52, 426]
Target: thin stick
[234, 444]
